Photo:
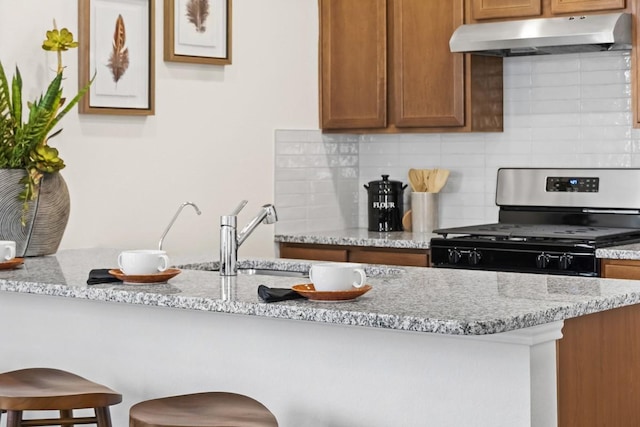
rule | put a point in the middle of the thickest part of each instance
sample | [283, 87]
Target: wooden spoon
[415, 179]
[428, 179]
[440, 179]
[406, 221]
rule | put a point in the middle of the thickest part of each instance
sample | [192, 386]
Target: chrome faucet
[231, 239]
[174, 219]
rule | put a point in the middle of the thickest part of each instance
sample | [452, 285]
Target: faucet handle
[238, 208]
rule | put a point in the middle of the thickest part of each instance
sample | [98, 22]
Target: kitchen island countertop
[443, 301]
[479, 346]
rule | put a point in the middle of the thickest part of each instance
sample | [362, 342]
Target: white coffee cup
[337, 276]
[143, 261]
[7, 250]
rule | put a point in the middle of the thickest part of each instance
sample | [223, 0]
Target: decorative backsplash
[560, 111]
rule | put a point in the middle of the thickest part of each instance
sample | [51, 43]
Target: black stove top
[527, 232]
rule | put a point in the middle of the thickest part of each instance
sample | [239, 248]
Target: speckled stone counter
[443, 301]
[360, 237]
[620, 252]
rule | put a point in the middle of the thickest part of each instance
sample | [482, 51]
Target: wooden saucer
[160, 277]
[12, 263]
[309, 291]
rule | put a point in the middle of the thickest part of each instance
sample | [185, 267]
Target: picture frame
[188, 38]
[116, 50]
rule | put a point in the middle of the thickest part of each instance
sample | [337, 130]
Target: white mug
[143, 261]
[337, 276]
[7, 250]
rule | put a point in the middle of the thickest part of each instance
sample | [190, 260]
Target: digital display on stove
[573, 184]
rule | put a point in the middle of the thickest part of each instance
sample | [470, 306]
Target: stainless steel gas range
[550, 221]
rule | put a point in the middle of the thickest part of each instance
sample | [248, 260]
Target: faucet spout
[267, 215]
[174, 219]
[230, 239]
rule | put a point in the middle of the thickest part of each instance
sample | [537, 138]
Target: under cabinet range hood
[544, 36]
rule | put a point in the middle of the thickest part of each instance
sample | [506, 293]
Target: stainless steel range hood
[543, 36]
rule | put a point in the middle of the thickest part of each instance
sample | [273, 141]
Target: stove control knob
[474, 257]
[565, 261]
[454, 256]
[542, 260]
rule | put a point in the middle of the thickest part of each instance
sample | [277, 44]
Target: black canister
[385, 204]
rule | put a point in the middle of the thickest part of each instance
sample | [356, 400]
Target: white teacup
[7, 250]
[143, 261]
[337, 276]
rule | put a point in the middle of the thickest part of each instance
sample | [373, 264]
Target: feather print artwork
[197, 13]
[119, 59]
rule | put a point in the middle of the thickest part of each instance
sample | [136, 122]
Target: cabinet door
[318, 253]
[573, 6]
[428, 80]
[489, 9]
[417, 258]
[353, 64]
[620, 269]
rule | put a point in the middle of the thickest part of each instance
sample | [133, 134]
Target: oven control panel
[573, 184]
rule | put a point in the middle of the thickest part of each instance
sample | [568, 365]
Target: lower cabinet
[598, 369]
[365, 255]
[620, 269]
[598, 363]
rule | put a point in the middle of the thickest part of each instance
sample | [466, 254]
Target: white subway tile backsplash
[559, 111]
[605, 77]
[555, 106]
[555, 64]
[606, 91]
[553, 80]
[555, 92]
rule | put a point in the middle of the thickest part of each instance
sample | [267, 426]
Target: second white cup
[7, 250]
[143, 261]
[337, 276]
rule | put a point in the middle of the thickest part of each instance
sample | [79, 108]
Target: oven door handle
[613, 211]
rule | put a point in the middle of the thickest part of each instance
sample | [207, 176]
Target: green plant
[24, 139]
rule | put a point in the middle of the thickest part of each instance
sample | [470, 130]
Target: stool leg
[66, 414]
[103, 416]
[14, 418]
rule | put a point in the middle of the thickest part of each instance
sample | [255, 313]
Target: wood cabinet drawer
[620, 269]
[318, 253]
[576, 6]
[391, 257]
[366, 255]
[490, 9]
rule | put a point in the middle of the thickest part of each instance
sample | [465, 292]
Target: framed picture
[197, 31]
[117, 50]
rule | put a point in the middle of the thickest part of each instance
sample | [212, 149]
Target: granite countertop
[620, 252]
[444, 301]
[360, 237]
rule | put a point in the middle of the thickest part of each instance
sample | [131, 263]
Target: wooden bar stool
[212, 409]
[43, 389]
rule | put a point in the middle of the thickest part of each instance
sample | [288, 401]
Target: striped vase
[46, 218]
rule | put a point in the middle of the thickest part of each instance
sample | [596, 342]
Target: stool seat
[40, 389]
[211, 409]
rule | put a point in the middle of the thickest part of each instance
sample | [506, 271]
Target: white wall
[210, 141]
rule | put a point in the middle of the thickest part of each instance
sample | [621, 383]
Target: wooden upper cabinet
[578, 6]
[353, 64]
[490, 9]
[516, 9]
[428, 80]
[386, 67]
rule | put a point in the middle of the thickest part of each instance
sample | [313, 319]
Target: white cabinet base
[308, 374]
